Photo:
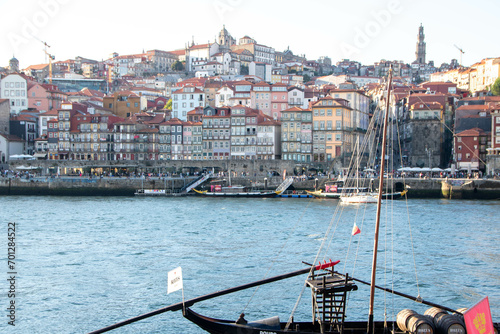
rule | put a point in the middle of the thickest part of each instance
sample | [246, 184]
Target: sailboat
[358, 197]
[329, 291]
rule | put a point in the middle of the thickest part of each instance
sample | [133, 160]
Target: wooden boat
[217, 190]
[236, 191]
[395, 195]
[333, 190]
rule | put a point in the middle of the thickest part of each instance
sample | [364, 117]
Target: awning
[40, 155]
[27, 167]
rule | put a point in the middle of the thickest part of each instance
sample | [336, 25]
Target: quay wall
[123, 186]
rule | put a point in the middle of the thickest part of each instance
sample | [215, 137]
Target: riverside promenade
[127, 186]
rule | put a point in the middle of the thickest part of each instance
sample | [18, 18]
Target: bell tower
[420, 52]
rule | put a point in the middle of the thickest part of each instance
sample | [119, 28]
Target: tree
[168, 106]
[244, 70]
[307, 78]
[177, 66]
[495, 88]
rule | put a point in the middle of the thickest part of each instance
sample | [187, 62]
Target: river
[83, 263]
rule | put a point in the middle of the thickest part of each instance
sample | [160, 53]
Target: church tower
[420, 53]
[225, 39]
[13, 65]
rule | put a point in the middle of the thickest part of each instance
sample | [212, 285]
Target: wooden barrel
[462, 310]
[434, 311]
[420, 324]
[403, 317]
[449, 324]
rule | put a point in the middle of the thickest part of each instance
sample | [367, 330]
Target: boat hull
[218, 326]
[237, 194]
[320, 194]
[359, 199]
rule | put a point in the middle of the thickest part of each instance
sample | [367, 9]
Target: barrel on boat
[434, 311]
[403, 317]
[449, 324]
[420, 324]
[410, 321]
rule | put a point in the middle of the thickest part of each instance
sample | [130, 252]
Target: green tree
[244, 70]
[495, 88]
[168, 106]
[307, 78]
[177, 66]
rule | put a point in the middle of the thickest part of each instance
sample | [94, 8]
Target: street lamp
[429, 152]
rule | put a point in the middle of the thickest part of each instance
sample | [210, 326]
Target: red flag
[478, 319]
[355, 229]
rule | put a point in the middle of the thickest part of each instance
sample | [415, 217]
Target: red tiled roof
[483, 107]
[173, 121]
[200, 46]
[472, 133]
[426, 105]
[37, 67]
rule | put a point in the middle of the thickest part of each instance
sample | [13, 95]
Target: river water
[84, 263]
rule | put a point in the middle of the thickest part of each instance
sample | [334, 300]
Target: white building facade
[185, 100]
[14, 87]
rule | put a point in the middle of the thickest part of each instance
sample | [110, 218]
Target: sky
[362, 30]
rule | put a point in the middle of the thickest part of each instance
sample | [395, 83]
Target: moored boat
[217, 190]
[361, 198]
[235, 191]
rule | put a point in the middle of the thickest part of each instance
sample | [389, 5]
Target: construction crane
[51, 58]
[461, 53]
[45, 47]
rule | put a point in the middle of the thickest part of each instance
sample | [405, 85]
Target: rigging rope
[280, 251]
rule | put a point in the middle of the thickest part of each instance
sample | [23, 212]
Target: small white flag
[174, 280]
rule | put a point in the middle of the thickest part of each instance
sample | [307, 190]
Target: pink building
[261, 97]
[44, 97]
[279, 99]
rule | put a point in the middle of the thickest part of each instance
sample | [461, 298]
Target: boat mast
[379, 206]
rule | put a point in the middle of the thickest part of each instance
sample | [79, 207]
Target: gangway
[197, 182]
[284, 185]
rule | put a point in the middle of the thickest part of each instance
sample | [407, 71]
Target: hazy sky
[362, 30]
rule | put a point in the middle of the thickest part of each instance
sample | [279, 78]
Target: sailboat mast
[379, 206]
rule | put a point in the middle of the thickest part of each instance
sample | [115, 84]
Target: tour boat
[217, 190]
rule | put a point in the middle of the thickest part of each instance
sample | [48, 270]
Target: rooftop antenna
[461, 53]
